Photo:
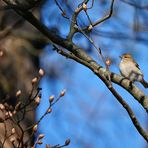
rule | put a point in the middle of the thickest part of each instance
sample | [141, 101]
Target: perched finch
[130, 69]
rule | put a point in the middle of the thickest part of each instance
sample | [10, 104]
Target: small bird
[130, 69]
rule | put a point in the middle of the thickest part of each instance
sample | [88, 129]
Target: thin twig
[104, 18]
[135, 5]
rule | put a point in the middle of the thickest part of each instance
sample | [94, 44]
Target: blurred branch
[118, 35]
[9, 28]
[23, 4]
[134, 4]
[2, 8]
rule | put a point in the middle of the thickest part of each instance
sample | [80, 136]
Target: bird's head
[126, 56]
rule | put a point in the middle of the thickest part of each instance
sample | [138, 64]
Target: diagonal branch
[102, 73]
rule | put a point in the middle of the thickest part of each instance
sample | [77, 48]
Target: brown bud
[35, 127]
[90, 27]
[67, 142]
[37, 100]
[18, 93]
[63, 13]
[108, 62]
[41, 72]
[51, 98]
[13, 131]
[10, 114]
[14, 112]
[84, 7]
[39, 142]
[18, 105]
[34, 80]
[77, 10]
[49, 110]
[6, 114]
[2, 107]
[41, 136]
[12, 139]
[1, 53]
[62, 93]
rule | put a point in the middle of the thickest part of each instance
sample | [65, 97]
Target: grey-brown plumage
[130, 69]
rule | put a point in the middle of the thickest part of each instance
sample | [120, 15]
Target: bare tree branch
[76, 53]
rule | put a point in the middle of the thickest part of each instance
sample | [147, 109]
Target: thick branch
[73, 26]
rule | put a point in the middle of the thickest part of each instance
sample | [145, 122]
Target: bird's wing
[138, 68]
[136, 64]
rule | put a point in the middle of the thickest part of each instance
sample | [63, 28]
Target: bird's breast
[125, 68]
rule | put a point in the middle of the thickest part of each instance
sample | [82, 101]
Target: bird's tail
[144, 83]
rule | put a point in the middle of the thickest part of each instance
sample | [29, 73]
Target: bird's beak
[120, 57]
